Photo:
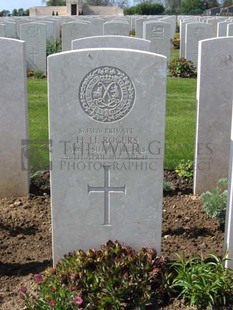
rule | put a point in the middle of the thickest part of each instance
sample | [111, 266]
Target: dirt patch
[25, 234]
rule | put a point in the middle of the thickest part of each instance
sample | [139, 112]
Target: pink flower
[23, 289]
[52, 290]
[77, 301]
[38, 276]
[22, 292]
[52, 303]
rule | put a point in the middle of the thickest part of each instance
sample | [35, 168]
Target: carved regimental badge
[33, 32]
[106, 94]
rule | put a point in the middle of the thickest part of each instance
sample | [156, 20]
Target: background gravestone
[2, 30]
[97, 26]
[51, 33]
[120, 28]
[222, 28]
[14, 179]
[172, 21]
[74, 30]
[34, 34]
[112, 41]
[139, 26]
[19, 21]
[230, 30]
[10, 29]
[107, 127]
[214, 105]
[182, 37]
[214, 24]
[159, 34]
[195, 32]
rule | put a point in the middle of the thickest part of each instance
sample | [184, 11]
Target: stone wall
[102, 10]
[48, 10]
[87, 10]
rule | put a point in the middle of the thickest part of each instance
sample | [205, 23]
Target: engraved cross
[106, 189]
[33, 53]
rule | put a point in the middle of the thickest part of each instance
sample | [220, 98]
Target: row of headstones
[37, 34]
[12, 24]
[97, 125]
[196, 28]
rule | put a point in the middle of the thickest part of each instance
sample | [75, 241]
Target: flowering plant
[114, 277]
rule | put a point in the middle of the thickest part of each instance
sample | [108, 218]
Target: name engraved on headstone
[158, 32]
[106, 94]
[93, 144]
[107, 189]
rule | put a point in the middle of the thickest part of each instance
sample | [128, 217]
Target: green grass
[180, 122]
[174, 54]
[38, 124]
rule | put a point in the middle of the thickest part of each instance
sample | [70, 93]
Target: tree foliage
[100, 2]
[211, 4]
[145, 8]
[172, 6]
[20, 12]
[119, 3]
[4, 13]
[54, 2]
[192, 7]
[227, 2]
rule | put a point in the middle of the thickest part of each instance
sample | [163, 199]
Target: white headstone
[34, 34]
[133, 19]
[139, 26]
[230, 30]
[120, 28]
[97, 26]
[107, 126]
[19, 21]
[159, 34]
[2, 30]
[14, 179]
[10, 30]
[172, 21]
[111, 41]
[182, 37]
[214, 101]
[214, 24]
[195, 32]
[57, 21]
[222, 28]
[74, 30]
[51, 33]
[228, 238]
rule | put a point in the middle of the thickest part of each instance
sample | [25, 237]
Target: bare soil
[25, 235]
